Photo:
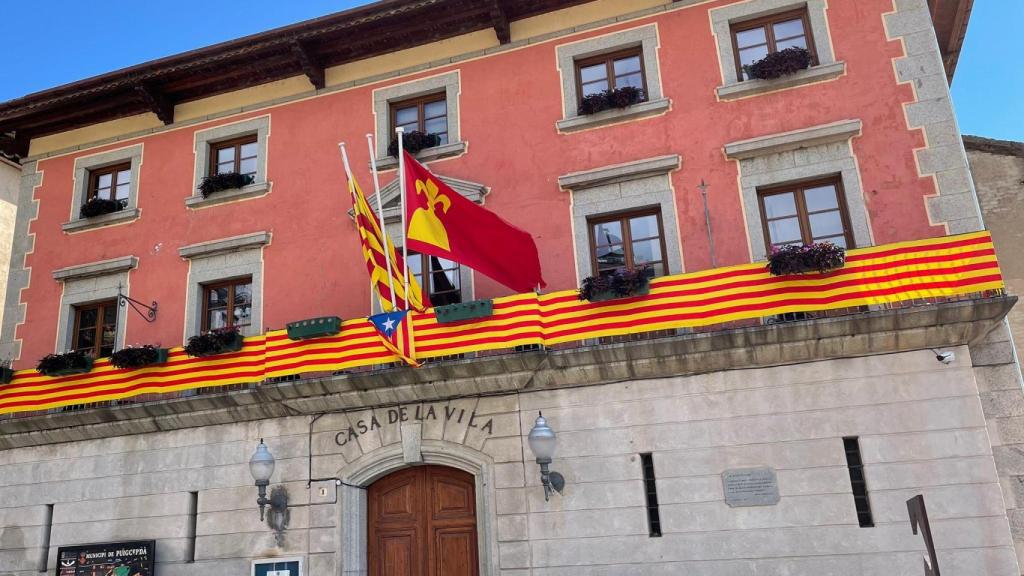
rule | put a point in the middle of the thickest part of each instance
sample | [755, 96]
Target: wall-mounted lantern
[261, 466]
[542, 443]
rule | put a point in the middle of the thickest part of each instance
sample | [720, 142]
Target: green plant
[214, 342]
[100, 206]
[138, 356]
[66, 363]
[607, 99]
[413, 142]
[779, 64]
[217, 182]
[797, 259]
[618, 283]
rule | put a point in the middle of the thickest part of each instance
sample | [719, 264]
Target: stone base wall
[924, 428]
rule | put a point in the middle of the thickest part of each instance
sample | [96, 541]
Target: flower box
[65, 364]
[100, 206]
[138, 357]
[215, 342]
[779, 64]
[820, 257]
[227, 181]
[609, 99]
[413, 142]
[464, 311]
[314, 328]
[621, 283]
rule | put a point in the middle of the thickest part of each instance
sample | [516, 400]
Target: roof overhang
[950, 18]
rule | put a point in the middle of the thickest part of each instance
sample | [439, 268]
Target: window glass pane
[243, 315]
[646, 251]
[225, 168]
[837, 240]
[610, 256]
[87, 317]
[415, 263]
[752, 37]
[826, 224]
[799, 42]
[435, 109]
[408, 115]
[124, 177]
[409, 127]
[788, 29]
[217, 297]
[627, 65]
[593, 72]
[243, 293]
[644, 227]
[248, 150]
[821, 198]
[225, 155]
[608, 233]
[217, 319]
[779, 205]
[444, 138]
[108, 336]
[751, 55]
[786, 230]
[436, 125]
[110, 314]
[634, 80]
[247, 166]
[86, 339]
[104, 180]
[595, 87]
[658, 268]
[122, 192]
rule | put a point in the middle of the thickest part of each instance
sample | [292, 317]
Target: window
[111, 183]
[858, 483]
[95, 328]
[227, 304]
[237, 155]
[427, 114]
[651, 495]
[444, 284]
[755, 39]
[628, 240]
[610, 71]
[805, 213]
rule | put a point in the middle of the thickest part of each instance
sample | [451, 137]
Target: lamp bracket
[150, 311]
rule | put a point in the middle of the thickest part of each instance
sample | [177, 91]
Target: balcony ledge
[244, 193]
[120, 217]
[938, 325]
[608, 117]
[747, 88]
[425, 155]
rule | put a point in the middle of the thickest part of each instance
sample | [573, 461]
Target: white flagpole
[400, 131]
[380, 215]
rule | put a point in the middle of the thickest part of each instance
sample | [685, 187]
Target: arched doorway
[422, 522]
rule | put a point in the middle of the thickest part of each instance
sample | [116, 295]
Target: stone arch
[363, 471]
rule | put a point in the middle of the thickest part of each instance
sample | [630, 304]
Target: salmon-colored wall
[509, 105]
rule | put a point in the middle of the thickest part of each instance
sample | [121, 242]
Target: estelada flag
[396, 332]
[373, 242]
[441, 222]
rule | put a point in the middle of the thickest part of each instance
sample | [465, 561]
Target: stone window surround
[722, 20]
[790, 142]
[216, 260]
[646, 37]
[88, 283]
[202, 146]
[83, 166]
[450, 84]
[359, 474]
[642, 173]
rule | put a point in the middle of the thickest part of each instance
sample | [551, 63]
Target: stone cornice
[785, 141]
[93, 269]
[620, 172]
[233, 244]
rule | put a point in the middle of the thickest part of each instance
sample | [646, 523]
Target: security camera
[945, 357]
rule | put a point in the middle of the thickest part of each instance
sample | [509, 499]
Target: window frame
[427, 282]
[627, 241]
[230, 283]
[100, 306]
[236, 143]
[609, 59]
[766, 23]
[420, 102]
[113, 170]
[803, 217]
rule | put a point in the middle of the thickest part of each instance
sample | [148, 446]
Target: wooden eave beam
[157, 102]
[500, 22]
[310, 67]
[15, 143]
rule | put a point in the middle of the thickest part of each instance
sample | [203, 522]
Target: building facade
[775, 443]
[10, 176]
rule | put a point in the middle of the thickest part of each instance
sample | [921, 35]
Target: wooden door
[422, 522]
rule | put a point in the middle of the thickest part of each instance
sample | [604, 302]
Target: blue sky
[76, 39]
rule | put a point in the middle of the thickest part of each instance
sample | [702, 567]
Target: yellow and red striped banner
[924, 269]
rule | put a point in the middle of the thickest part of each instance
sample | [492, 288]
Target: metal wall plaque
[751, 487]
[113, 559]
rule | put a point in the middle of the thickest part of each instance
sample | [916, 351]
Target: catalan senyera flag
[373, 241]
[441, 222]
[396, 329]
